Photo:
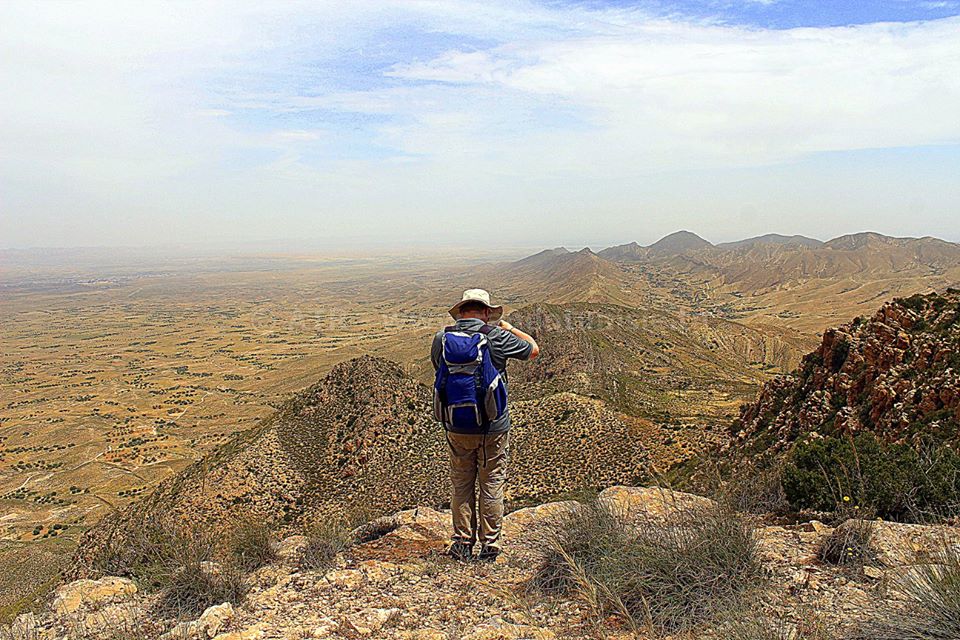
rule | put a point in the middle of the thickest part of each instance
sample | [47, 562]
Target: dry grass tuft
[932, 591]
[127, 624]
[663, 576]
[196, 585]
[753, 625]
[849, 544]
[178, 561]
[325, 540]
[250, 545]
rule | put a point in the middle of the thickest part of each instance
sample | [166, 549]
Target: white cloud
[127, 121]
[298, 135]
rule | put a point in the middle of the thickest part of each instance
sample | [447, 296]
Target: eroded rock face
[209, 625]
[896, 374]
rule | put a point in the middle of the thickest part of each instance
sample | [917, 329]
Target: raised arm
[526, 337]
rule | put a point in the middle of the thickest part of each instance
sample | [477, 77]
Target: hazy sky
[534, 123]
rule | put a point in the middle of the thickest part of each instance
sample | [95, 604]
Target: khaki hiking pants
[466, 468]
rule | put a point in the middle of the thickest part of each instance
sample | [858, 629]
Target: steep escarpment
[896, 375]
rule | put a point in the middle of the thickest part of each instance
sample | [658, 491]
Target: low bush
[895, 481]
[849, 544]
[325, 540]
[659, 575]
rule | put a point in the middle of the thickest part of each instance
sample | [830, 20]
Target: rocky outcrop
[896, 374]
[400, 586]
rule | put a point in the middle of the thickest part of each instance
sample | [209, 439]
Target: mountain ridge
[364, 435]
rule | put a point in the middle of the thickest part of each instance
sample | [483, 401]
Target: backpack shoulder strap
[485, 329]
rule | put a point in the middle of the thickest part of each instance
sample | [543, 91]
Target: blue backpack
[468, 393]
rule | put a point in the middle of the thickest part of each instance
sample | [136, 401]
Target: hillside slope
[645, 362]
[560, 276]
[400, 586]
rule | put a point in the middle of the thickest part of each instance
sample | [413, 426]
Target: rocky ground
[401, 586]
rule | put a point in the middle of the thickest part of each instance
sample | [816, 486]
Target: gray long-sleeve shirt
[503, 346]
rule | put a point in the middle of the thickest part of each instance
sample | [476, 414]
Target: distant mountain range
[687, 241]
[788, 277]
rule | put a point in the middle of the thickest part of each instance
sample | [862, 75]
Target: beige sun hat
[481, 296]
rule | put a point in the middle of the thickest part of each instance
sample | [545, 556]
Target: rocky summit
[362, 443]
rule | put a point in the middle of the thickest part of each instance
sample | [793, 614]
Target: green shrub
[660, 575]
[895, 481]
[916, 302]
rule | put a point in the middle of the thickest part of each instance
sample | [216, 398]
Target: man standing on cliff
[471, 401]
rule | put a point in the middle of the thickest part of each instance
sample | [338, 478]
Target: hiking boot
[459, 550]
[488, 554]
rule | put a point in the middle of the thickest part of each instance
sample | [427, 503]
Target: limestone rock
[423, 634]
[873, 572]
[91, 593]
[522, 521]
[897, 544]
[256, 632]
[369, 621]
[653, 502]
[377, 571]
[210, 623]
[290, 547]
[345, 578]
[507, 631]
